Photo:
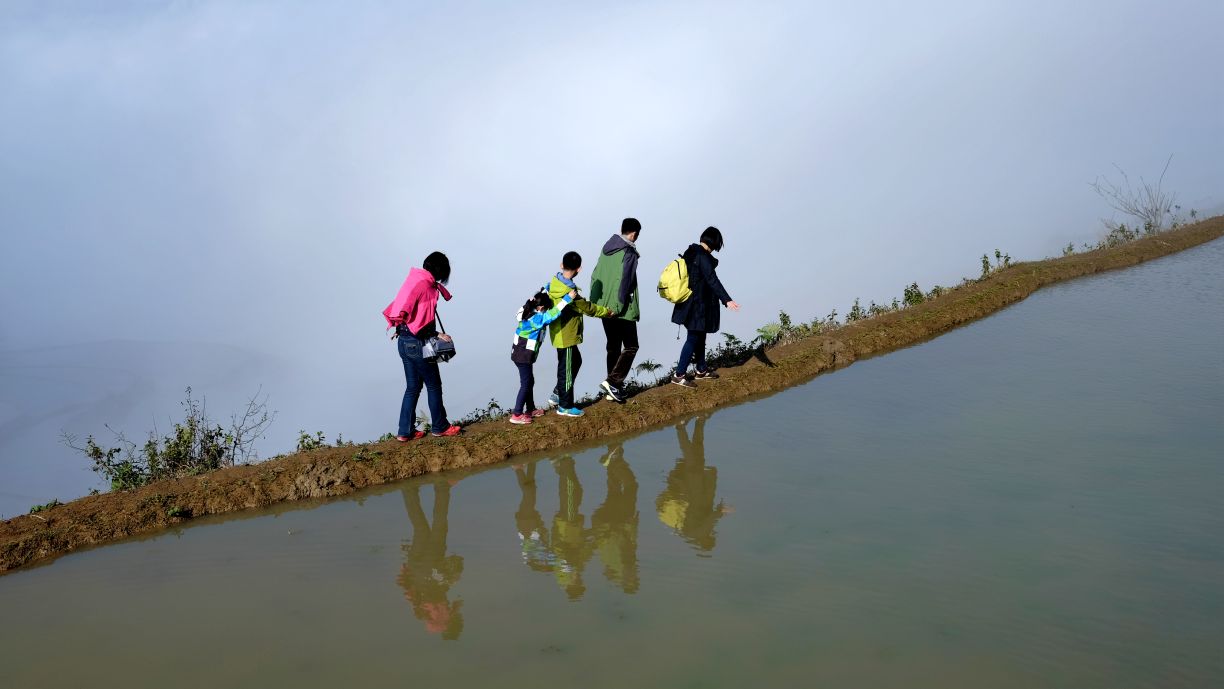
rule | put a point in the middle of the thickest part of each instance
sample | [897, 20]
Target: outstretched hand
[573, 294]
[733, 306]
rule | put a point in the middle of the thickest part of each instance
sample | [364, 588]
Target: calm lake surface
[1034, 500]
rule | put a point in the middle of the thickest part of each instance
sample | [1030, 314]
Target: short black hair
[571, 260]
[629, 225]
[712, 238]
[438, 266]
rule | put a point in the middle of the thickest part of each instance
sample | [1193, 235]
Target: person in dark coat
[700, 314]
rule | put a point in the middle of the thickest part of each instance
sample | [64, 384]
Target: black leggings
[525, 402]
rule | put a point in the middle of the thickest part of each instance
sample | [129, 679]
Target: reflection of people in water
[428, 572]
[533, 533]
[687, 502]
[568, 549]
[571, 542]
[615, 522]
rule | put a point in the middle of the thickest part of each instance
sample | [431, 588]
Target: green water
[1036, 500]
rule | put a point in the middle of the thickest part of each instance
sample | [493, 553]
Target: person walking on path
[566, 333]
[614, 286]
[699, 313]
[538, 312]
[414, 313]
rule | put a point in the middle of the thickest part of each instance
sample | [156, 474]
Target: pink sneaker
[520, 419]
[537, 413]
[448, 433]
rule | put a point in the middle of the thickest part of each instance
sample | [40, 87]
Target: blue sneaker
[554, 400]
[573, 411]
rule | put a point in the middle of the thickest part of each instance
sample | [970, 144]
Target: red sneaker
[537, 413]
[450, 432]
[520, 419]
[416, 435]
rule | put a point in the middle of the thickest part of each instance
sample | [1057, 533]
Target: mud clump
[334, 471]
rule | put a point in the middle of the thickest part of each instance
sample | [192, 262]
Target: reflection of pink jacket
[416, 304]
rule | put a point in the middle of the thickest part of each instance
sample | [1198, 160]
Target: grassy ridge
[333, 471]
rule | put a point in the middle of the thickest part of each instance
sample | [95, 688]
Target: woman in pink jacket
[414, 315]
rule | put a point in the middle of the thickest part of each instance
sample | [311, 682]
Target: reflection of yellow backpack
[672, 512]
[674, 282]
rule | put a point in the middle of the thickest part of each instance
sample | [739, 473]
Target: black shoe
[682, 381]
[612, 392]
[705, 375]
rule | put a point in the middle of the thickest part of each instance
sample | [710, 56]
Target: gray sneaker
[682, 381]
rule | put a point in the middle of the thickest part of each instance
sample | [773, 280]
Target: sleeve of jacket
[552, 314]
[710, 273]
[589, 309]
[628, 278]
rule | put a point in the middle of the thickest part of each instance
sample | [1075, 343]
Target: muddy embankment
[338, 471]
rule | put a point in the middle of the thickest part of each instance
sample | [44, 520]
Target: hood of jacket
[617, 243]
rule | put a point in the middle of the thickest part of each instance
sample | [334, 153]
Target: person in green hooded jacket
[614, 286]
[566, 333]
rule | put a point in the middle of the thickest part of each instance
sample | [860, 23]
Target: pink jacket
[416, 304]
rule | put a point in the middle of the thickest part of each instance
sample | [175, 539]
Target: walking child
[536, 313]
[566, 332]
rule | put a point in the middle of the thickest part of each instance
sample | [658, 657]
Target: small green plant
[1069, 249]
[913, 295]
[856, 312]
[491, 412]
[45, 506]
[307, 442]
[385, 437]
[732, 352]
[648, 366]
[643, 380]
[365, 454]
[178, 511]
[936, 292]
[196, 445]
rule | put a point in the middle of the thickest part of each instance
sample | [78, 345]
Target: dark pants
[568, 363]
[622, 348]
[525, 402]
[418, 372]
[694, 351]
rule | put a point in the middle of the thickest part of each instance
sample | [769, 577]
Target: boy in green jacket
[614, 285]
[566, 333]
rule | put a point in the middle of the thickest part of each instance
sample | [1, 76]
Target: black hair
[629, 225]
[571, 260]
[712, 238]
[536, 301]
[438, 266]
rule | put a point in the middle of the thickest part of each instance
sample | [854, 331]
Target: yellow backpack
[674, 282]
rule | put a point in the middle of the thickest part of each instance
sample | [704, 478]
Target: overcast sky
[235, 190]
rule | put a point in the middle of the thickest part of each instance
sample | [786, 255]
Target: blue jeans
[418, 372]
[693, 351]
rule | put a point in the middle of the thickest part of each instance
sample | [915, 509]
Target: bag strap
[438, 318]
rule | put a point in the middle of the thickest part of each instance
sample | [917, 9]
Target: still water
[1034, 500]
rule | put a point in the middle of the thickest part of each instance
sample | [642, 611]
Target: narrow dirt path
[337, 471]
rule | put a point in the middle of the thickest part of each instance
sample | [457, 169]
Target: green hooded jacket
[566, 331]
[614, 282]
